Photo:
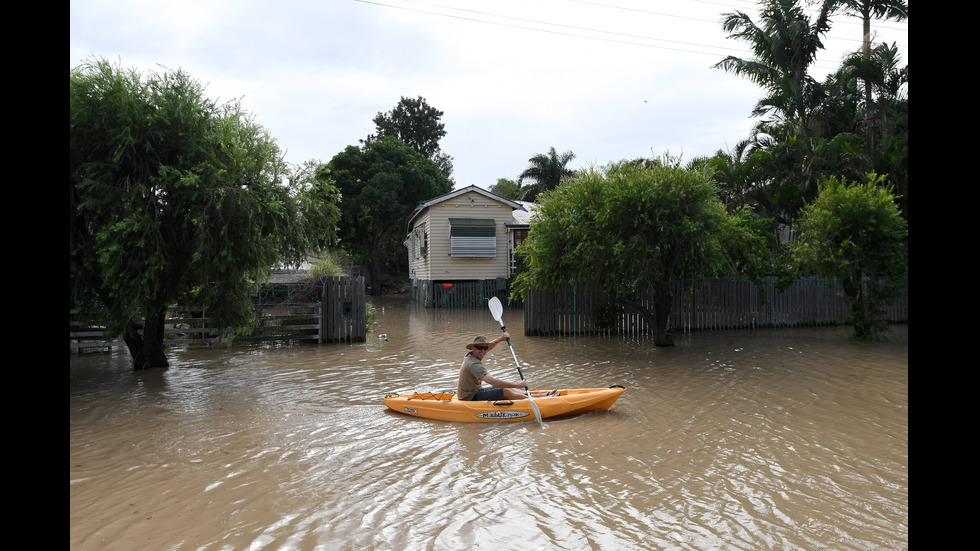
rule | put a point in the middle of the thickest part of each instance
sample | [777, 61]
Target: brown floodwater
[751, 439]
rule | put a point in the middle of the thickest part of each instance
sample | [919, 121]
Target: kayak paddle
[496, 310]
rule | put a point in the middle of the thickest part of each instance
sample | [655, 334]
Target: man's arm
[496, 341]
[500, 383]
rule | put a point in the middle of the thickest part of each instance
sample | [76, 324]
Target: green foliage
[370, 315]
[634, 222]
[791, 166]
[736, 172]
[330, 264]
[546, 171]
[784, 43]
[418, 125]
[809, 130]
[382, 183]
[607, 314]
[897, 10]
[754, 253]
[318, 205]
[171, 194]
[885, 114]
[508, 189]
[854, 232]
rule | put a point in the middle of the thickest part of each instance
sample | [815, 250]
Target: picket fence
[709, 304]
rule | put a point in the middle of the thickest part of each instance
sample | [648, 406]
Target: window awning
[473, 227]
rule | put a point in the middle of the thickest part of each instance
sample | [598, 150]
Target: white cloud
[315, 73]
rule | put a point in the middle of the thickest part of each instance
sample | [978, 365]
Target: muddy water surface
[766, 439]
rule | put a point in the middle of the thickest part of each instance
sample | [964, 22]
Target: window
[420, 241]
[473, 237]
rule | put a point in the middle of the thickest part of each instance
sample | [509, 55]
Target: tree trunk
[866, 52]
[153, 351]
[147, 349]
[376, 264]
[374, 271]
[657, 318]
[135, 344]
[861, 314]
[662, 300]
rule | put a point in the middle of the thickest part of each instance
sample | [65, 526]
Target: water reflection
[793, 439]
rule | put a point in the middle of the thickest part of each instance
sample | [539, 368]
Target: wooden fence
[337, 315]
[711, 304]
[343, 315]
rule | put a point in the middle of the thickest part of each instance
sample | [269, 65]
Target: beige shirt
[469, 377]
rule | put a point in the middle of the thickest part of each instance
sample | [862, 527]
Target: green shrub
[328, 265]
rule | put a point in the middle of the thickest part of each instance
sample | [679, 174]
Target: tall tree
[545, 171]
[382, 183]
[896, 10]
[785, 44]
[416, 124]
[808, 128]
[175, 197]
[885, 107]
[854, 234]
[630, 226]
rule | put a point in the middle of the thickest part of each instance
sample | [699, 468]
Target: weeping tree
[174, 197]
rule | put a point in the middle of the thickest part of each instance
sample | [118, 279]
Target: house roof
[523, 217]
[517, 206]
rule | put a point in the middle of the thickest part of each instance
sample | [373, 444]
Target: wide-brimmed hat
[478, 340]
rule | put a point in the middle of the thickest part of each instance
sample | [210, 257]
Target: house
[464, 239]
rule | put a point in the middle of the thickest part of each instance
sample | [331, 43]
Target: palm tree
[884, 78]
[737, 173]
[546, 171]
[785, 44]
[897, 10]
[886, 119]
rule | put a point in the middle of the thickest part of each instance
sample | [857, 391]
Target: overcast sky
[608, 80]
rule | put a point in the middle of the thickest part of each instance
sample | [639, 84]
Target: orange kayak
[445, 407]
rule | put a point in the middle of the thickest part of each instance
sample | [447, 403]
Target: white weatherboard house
[467, 235]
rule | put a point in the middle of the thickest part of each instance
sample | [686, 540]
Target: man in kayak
[472, 374]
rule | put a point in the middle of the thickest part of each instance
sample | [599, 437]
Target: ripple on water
[793, 439]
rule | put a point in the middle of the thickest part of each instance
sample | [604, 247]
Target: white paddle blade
[537, 412]
[495, 308]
